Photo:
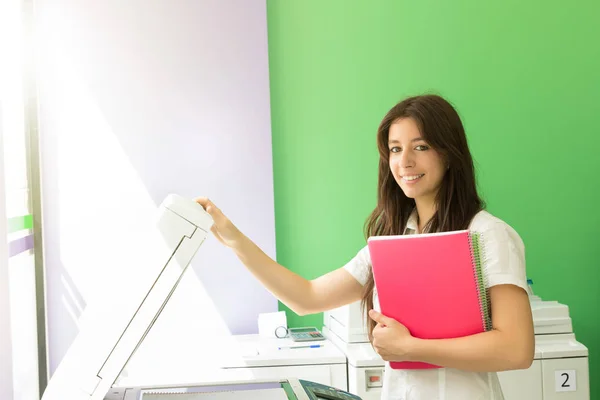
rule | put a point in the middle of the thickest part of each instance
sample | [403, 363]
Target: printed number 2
[565, 380]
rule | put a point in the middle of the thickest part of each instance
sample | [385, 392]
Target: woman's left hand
[391, 340]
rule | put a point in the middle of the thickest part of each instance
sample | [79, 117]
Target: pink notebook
[432, 283]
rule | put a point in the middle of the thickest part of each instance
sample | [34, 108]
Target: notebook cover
[430, 283]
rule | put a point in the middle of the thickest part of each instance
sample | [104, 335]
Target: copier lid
[559, 346]
[550, 317]
[188, 210]
[109, 335]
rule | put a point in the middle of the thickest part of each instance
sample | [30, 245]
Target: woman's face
[417, 168]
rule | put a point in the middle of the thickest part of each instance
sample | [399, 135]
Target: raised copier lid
[101, 350]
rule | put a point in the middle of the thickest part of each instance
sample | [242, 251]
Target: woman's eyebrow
[413, 140]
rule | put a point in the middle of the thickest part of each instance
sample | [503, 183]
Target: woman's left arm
[508, 346]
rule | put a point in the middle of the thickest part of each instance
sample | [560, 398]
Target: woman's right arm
[302, 296]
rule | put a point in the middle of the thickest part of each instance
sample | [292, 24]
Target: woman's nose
[407, 159]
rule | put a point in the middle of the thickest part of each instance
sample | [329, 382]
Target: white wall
[138, 100]
[6, 365]
[7, 53]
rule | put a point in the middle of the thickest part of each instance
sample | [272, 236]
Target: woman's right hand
[223, 229]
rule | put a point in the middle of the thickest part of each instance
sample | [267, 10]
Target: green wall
[525, 77]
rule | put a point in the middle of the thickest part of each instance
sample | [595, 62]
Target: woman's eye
[395, 149]
[422, 147]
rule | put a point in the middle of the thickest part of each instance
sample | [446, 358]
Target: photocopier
[559, 371]
[111, 332]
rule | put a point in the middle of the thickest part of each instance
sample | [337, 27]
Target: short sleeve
[360, 266]
[504, 256]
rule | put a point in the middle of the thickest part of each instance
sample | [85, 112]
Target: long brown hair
[457, 200]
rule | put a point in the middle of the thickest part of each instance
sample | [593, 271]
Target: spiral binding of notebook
[478, 256]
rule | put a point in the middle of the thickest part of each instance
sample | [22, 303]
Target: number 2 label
[565, 380]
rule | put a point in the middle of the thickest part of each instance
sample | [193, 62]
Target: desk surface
[241, 355]
[256, 351]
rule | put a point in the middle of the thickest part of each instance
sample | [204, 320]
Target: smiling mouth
[411, 178]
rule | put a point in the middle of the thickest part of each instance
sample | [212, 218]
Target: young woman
[426, 184]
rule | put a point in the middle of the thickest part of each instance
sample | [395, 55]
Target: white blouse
[505, 264]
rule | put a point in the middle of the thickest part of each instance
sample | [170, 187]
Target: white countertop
[262, 352]
[237, 360]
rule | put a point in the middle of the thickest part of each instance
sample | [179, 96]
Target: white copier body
[559, 371]
[110, 333]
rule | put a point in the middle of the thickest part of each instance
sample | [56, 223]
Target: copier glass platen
[281, 389]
